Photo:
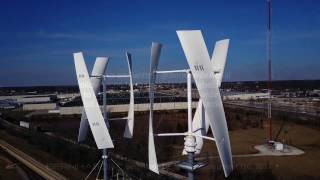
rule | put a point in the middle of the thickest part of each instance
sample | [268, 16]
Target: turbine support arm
[173, 71]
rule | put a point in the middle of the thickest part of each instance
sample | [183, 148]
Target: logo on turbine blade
[199, 67]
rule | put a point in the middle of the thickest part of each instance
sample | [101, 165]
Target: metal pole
[105, 153]
[190, 139]
[190, 160]
[269, 67]
[190, 129]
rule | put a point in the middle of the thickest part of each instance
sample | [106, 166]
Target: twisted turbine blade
[155, 55]
[128, 133]
[98, 70]
[218, 59]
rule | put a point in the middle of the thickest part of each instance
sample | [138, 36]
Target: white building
[37, 99]
[246, 96]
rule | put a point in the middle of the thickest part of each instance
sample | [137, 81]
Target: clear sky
[37, 38]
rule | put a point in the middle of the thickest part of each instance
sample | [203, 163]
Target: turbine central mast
[190, 140]
[105, 151]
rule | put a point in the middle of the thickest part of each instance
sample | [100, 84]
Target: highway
[31, 163]
[305, 110]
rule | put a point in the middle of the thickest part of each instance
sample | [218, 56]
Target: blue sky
[39, 37]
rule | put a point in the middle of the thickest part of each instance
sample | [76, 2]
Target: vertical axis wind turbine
[200, 121]
[91, 115]
[207, 79]
[91, 107]
[98, 77]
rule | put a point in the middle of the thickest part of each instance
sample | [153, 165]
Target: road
[31, 163]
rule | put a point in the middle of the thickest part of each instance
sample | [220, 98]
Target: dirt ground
[243, 139]
[285, 167]
[246, 131]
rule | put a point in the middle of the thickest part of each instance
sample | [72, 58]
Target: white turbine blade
[199, 61]
[128, 133]
[98, 70]
[84, 126]
[218, 59]
[155, 55]
[98, 127]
